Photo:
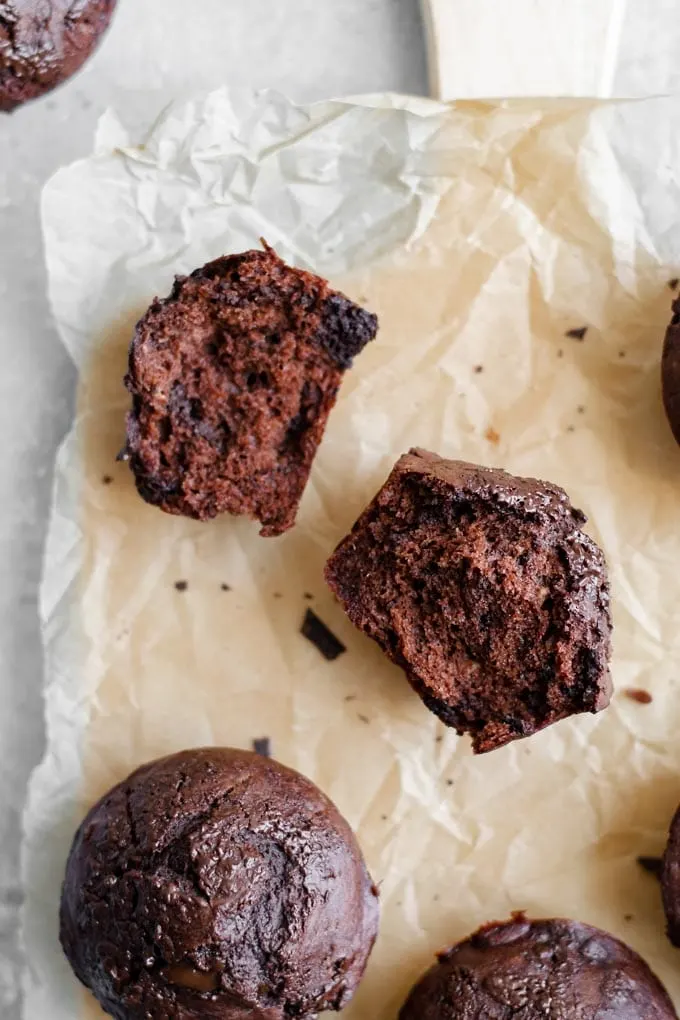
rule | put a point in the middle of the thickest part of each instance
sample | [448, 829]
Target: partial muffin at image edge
[233, 377]
[485, 590]
[42, 46]
[217, 883]
[670, 881]
[670, 371]
[539, 969]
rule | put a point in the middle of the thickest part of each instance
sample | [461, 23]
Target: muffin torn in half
[486, 591]
[232, 380]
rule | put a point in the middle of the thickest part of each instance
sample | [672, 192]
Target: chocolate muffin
[484, 589]
[217, 883]
[670, 881]
[539, 970]
[43, 44]
[670, 371]
[232, 380]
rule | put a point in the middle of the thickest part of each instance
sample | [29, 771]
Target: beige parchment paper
[480, 234]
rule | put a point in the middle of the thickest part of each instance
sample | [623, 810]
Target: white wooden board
[496, 49]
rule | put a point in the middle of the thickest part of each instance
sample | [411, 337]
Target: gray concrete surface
[310, 49]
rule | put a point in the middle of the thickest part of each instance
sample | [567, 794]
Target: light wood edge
[430, 25]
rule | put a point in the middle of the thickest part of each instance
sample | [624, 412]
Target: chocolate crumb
[384, 818]
[673, 284]
[107, 479]
[652, 865]
[479, 369]
[492, 436]
[635, 694]
[622, 354]
[308, 595]
[577, 334]
[278, 595]
[438, 739]
[560, 353]
[263, 746]
[225, 587]
[627, 917]
[350, 697]
[581, 409]
[449, 782]
[364, 718]
[181, 585]
[571, 428]
[316, 631]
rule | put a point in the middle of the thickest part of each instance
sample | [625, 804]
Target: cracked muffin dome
[217, 883]
[43, 44]
[539, 970]
[485, 590]
[232, 380]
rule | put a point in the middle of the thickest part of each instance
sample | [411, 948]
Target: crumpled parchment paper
[481, 235]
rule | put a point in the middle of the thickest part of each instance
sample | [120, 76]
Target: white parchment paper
[480, 235]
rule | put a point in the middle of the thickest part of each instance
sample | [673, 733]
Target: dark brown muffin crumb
[43, 44]
[536, 970]
[217, 884]
[232, 380]
[577, 334]
[640, 696]
[486, 591]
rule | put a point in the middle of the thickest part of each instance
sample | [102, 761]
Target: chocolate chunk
[674, 283]
[216, 883]
[233, 377]
[263, 746]
[486, 591]
[225, 587]
[577, 334]
[106, 480]
[316, 631]
[42, 45]
[534, 970]
[181, 585]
